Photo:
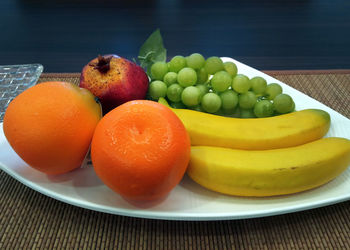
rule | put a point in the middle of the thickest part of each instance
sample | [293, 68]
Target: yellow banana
[269, 172]
[258, 133]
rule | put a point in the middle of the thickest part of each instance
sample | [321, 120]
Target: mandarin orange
[140, 150]
[50, 125]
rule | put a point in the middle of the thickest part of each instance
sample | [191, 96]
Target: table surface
[29, 219]
[268, 35]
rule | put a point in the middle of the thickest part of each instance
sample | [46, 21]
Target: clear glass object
[14, 79]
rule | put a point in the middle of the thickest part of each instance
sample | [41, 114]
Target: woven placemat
[29, 219]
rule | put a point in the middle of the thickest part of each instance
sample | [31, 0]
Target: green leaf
[152, 51]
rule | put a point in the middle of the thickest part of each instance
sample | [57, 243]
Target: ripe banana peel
[269, 172]
[281, 131]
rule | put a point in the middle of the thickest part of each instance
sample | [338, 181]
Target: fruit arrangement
[142, 148]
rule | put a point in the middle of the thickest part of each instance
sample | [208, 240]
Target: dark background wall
[267, 35]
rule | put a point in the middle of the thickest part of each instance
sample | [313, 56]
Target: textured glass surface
[14, 79]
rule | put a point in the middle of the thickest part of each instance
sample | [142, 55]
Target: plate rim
[147, 214]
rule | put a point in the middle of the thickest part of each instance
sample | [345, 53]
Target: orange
[140, 150]
[50, 125]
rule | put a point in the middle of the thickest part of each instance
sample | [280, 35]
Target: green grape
[263, 108]
[221, 81]
[213, 64]
[202, 76]
[247, 100]
[177, 63]
[231, 68]
[219, 112]
[211, 102]
[293, 109]
[203, 88]
[197, 108]
[247, 113]
[283, 103]
[170, 78]
[177, 105]
[229, 100]
[236, 113]
[195, 61]
[241, 84]
[229, 112]
[187, 77]
[174, 92]
[157, 89]
[258, 85]
[272, 90]
[190, 96]
[158, 70]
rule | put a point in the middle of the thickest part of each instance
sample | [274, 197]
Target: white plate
[188, 201]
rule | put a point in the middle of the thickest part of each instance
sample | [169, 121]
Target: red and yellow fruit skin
[123, 82]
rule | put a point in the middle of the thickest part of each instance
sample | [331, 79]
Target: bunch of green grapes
[212, 86]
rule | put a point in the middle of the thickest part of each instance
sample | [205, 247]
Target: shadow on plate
[81, 177]
[193, 187]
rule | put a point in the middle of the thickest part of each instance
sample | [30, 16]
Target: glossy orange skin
[125, 81]
[140, 150]
[50, 126]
